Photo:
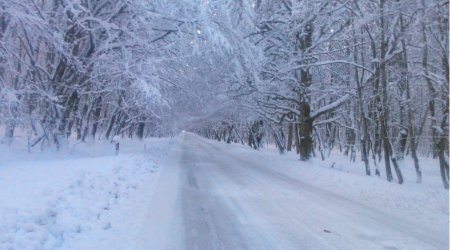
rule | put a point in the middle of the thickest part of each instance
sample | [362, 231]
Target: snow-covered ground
[85, 197]
[191, 193]
[427, 202]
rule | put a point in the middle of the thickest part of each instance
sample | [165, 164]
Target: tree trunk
[363, 124]
[387, 147]
[230, 131]
[412, 136]
[140, 130]
[296, 138]
[97, 113]
[442, 147]
[111, 125]
[305, 131]
[289, 139]
[384, 111]
[411, 130]
[431, 89]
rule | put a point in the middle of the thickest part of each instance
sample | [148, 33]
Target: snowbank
[86, 199]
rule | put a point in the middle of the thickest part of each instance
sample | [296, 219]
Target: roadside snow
[426, 203]
[86, 199]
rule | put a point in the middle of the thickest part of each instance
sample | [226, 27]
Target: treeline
[79, 68]
[369, 77]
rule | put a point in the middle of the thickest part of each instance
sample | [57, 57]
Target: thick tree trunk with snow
[305, 127]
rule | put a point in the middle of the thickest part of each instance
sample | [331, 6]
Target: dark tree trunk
[384, 112]
[289, 139]
[363, 124]
[140, 130]
[305, 131]
[397, 170]
[351, 139]
[297, 138]
[431, 89]
[411, 133]
[279, 139]
[111, 125]
[96, 117]
[230, 134]
[64, 124]
[443, 147]
[387, 147]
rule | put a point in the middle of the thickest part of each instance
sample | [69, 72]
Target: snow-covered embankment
[86, 198]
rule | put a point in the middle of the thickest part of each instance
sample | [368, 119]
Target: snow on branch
[330, 107]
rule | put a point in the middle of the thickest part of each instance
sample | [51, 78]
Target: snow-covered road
[190, 193]
[213, 198]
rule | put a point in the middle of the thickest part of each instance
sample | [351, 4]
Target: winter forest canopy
[367, 78]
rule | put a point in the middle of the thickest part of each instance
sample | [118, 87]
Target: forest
[368, 79]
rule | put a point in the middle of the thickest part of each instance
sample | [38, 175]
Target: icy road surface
[210, 198]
